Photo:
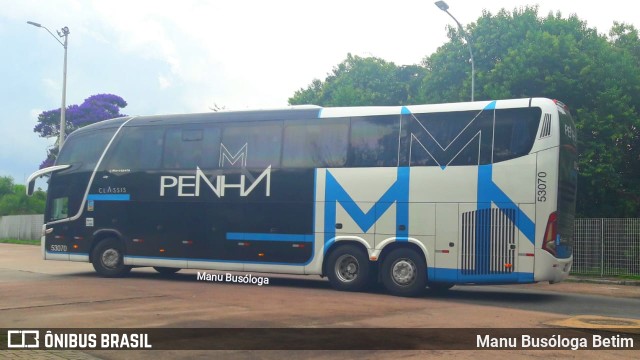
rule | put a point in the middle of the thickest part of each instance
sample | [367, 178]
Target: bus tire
[348, 268]
[404, 272]
[108, 258]
[166, 270]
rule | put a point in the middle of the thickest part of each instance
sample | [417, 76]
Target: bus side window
[60, 208]
[515, 131]
[138, 148]
[315, 143]
[455, 138]
[374, 141]
[251, 145]
[191, 148]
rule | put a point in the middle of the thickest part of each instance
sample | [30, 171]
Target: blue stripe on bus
[489, 192]
[456, 276]
[270, 237]
[214, 261]
[109, 197]
[490, 106]
[65, 253]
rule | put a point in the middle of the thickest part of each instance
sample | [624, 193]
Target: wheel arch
[412, 244]
[338, 243]
[102, 235]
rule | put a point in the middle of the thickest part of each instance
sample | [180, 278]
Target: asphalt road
[555, 298]
[48, 294]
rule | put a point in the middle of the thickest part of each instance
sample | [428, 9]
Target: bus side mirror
[31, 181]
[30, 187]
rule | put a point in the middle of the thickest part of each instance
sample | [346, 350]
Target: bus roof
[307, 112]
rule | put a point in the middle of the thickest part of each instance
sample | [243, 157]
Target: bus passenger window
[138, 148]
[457, 138]
[515, 131]
[374, 141]
[315, 143]
[252, 145]
[191, 148]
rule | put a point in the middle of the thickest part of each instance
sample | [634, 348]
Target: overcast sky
[189, 56]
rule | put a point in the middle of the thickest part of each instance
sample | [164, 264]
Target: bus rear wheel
[166, 270]
[348, 268]
[404, 273]
[108, 258]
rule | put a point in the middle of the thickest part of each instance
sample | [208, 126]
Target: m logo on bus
[478, 130]
[396, 194]
[191, 185]
[240, 156]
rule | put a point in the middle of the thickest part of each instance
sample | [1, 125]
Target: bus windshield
[85, 149]
[81, 153]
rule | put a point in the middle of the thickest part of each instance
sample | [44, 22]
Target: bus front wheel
[108, 258]
[348, 268]
[404, 273]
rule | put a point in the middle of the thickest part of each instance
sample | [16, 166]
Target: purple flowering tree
[94, 108]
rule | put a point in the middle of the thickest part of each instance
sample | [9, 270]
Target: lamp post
[444, 7]
[64, 32]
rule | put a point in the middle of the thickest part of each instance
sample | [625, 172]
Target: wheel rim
[110, 258]
[404, 272]
[347, 268]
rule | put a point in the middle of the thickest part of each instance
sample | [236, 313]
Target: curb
[608, 281]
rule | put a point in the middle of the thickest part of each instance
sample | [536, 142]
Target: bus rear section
[555, 256]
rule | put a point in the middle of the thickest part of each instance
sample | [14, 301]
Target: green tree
[6, 185]
[625, 37]
[14, 200]
[363, 81]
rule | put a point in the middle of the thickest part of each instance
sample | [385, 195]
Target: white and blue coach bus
[410, 196]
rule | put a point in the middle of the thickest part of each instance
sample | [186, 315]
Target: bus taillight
[550, 234]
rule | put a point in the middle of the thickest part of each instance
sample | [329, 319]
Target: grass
[630, 277]
[21, 242]
[594, 275]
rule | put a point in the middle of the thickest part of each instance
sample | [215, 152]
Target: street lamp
[444, 7]
[64, 32]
